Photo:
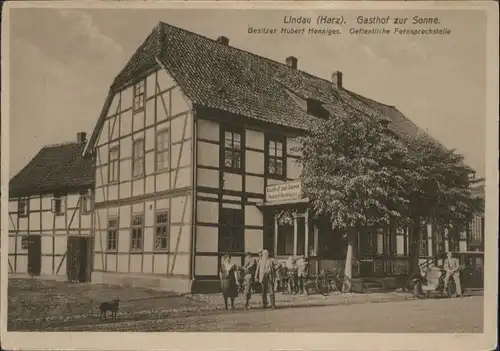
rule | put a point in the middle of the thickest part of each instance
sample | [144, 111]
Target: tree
[352, 174]
[438, 190]
[362, 176]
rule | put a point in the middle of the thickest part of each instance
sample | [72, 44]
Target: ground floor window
[231, 230]
[285, 239]
[137, 232]
[112, 237]
[424, 243]
[161, 234]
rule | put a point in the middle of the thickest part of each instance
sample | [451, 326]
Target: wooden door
[78, 259]
[72, 258]
[84, 269]
[34, 255]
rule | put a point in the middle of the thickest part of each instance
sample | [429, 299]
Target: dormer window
[384, 122]
[315, 108]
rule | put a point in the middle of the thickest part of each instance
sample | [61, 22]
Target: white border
[267, 341]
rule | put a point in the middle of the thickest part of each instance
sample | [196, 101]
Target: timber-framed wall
[40, 234]
[143, 162]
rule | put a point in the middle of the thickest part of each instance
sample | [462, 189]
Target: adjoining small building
[50, 214]
[194, 158]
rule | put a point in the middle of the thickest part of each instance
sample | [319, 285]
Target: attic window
[85, 203]
[315, 108]
[23, 208]
[139, 90]
[56, 206]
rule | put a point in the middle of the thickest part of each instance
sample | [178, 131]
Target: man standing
[248, 273]
[451, 267]
[265, 274]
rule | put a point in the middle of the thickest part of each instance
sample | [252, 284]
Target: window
[232, 150]
[231, 233]
[137, 229]
[139, 89]
[367, 243]
[85, 203]
[24, 243]
[276, 157]
[424, 243]
[113, 165]
[112, 239]
[56, 206]
[138, 158]
[162, 146]
[23, 208]
[161, 235]
[285, 239]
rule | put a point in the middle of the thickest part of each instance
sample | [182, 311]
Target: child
[292, 275]
[302, 273]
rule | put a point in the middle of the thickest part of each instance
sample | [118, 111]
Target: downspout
[194, 196]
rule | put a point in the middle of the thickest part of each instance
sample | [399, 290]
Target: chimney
[337, 79]
[223, 40]
[291, 61]
[81, 137]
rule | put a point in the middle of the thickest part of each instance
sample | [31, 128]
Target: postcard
[206, 175]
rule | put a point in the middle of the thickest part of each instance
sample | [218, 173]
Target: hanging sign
[284, 191]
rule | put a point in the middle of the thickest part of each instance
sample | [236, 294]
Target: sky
[62, 63]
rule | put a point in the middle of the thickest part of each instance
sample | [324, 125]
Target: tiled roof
[216, 75]
[54, 168]
[220, 76]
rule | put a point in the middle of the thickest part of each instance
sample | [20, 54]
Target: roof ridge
[358, 96]
[245, 51]
[67, 143]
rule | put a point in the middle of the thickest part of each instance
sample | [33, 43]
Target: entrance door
[34, 255]
[77, 259]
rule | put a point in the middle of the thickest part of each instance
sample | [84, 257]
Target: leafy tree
[438, 191]
[361, 176]
[352, 174]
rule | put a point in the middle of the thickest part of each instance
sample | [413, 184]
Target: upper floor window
[56, 206]
[162, 148]
[276, 157]
[138, 158]
[23, 208]
[113, 165]
[139, 94]
[137, 231]
[85, 203]
[232, 150]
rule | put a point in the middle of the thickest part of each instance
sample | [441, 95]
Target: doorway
[34, 255]
[77, 261]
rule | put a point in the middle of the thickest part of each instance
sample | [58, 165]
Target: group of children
[292, 275]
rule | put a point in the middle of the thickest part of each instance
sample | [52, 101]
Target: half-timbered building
[195, 157]
[50, 221]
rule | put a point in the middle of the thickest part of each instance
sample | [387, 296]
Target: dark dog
[111, 306]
